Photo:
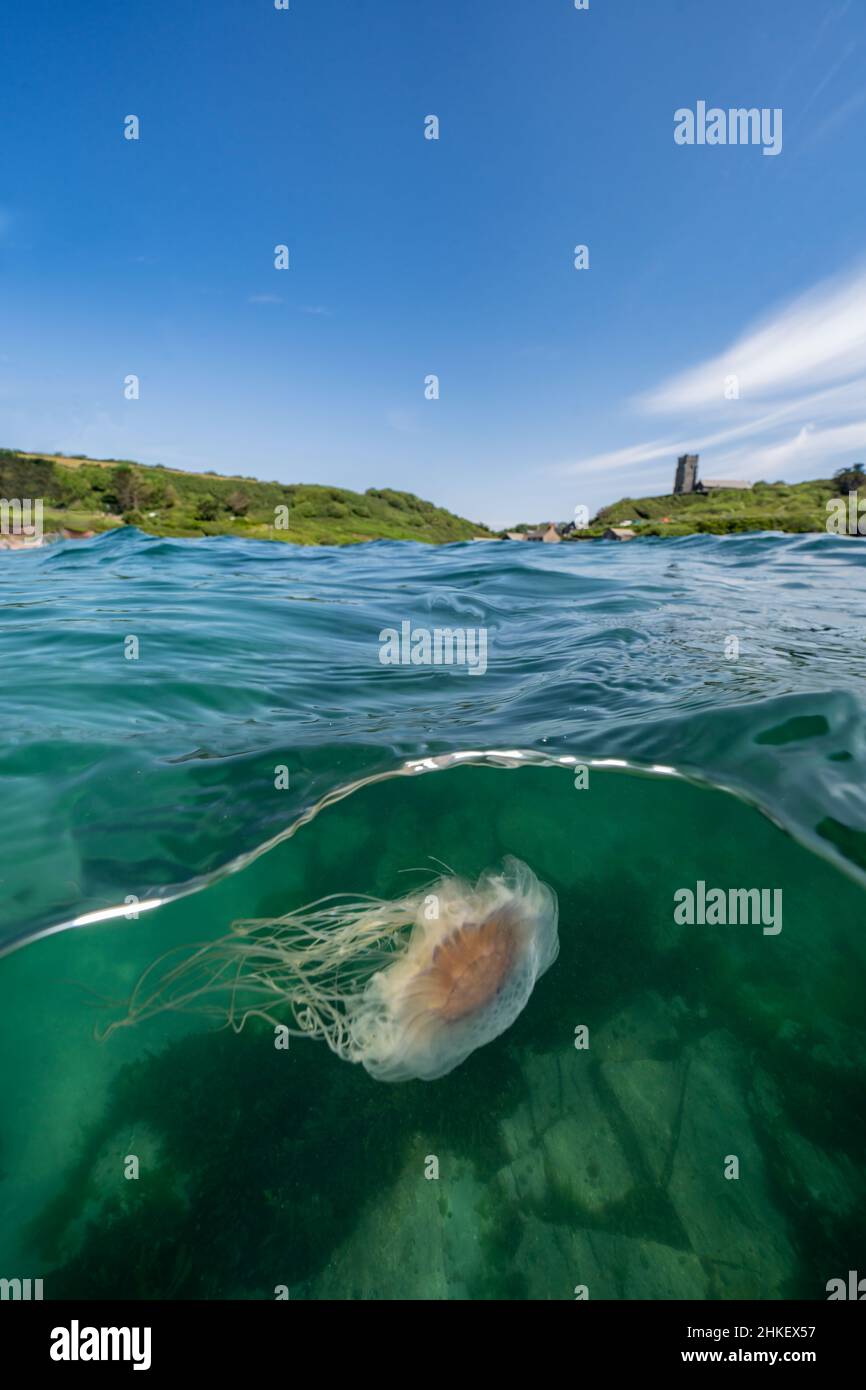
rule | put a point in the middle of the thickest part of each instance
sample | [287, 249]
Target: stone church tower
[687, 473]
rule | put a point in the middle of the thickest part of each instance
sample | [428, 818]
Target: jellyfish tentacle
[377, 980]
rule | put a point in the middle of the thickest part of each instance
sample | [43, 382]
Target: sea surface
[195, 732]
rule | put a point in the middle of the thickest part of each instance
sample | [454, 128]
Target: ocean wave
[145, 776]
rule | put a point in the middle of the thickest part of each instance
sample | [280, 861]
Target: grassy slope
[80, 493]
[765, 507]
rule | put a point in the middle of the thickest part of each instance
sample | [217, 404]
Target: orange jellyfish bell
[469, 967]
[408, 988]
[467, 971]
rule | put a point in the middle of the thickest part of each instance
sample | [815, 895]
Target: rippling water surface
[153, 779]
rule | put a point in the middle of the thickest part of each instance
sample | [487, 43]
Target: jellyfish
[408, 988]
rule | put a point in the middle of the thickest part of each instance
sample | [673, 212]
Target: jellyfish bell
[408, 988]
[462, 979]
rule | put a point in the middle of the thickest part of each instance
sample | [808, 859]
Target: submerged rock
[558, 1263]
[648, 1027]
[421, 1239]
[562, 1146]
[733, 1224]
[615, 1182]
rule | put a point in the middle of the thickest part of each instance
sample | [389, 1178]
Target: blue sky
[409, 257]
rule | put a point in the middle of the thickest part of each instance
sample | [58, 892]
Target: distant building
[546, 533]
[515, 535]
[618, 533]
[686, 476]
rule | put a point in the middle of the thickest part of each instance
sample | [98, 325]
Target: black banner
[251, 1338]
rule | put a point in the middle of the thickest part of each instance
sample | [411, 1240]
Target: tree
[207, 509]
[850, 479]
[127, 488]
[238, 503]
[160, 492]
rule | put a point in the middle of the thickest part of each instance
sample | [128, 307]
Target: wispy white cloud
[265, 299]
[809, 452]
[801, 408]
[819, 338]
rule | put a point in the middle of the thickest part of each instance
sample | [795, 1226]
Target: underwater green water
[537, 1166]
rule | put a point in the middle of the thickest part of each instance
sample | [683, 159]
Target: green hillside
[97, 494]
[765, 507]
